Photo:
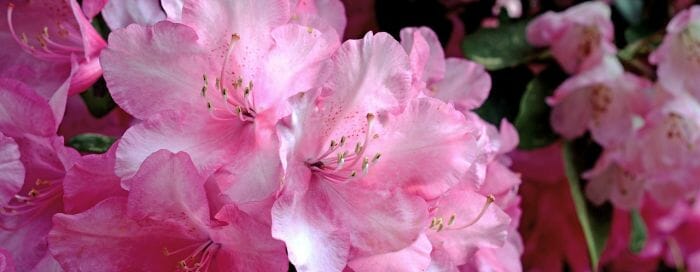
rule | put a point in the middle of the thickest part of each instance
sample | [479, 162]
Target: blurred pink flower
[579, 37]
[604, 100]
[678, 57]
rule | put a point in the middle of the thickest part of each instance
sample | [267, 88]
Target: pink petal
[369, 221]
[23, 111]
[509, 136]
[6, 262]
[313, 243]
[261, 251]
[174, 176]
[92, 7]
[425, 50]
[90, 181]
[164, 62]
[13, 171]
[173, 9]
[425, 150]
[415, 257]
[330, 12]
[28, 244]
[460, 239]
[105, 239]
[121, 13]
[209, 142]
[294, 64]
[466, 84]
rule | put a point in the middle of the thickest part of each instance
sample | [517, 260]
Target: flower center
[337, 164]
[43, 46]
[690, 38]
[439, 223]
[590, 38]
[600, 99]
[30, 203]
[199, 259]
[678, 129]
[237, 101]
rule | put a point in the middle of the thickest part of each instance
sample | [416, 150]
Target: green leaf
[638, 235]
[99, 24]
[507, 90]
[631, 10]
[595, 222]
[91, 143]
[532, 121]
[498, 48]
[98, 100]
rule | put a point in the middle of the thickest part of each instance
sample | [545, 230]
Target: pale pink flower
[41, 40]
[216, 88]
[165, 223]
[604, 100]
[579, 37]
[665, 150]
[31, 194]
[613, 178]
[360, 153]
[678, 57]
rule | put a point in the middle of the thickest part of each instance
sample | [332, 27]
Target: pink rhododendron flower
[231, 77]
[614, 178]
[31, 192]
[579, 37]
[42, 39]
[678, 57]
[360, 154]
[604, 100]
[165, 221]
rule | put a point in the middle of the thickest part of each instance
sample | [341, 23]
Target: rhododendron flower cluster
[339, 135]
[250, 136]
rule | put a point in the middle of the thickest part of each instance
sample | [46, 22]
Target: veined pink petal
[306, 230]
[466, 84]
[425, 150]
[174, 175]
[115, 241]
[28, 244]
[121, 13]
[368, 221]
[247, 244]
[415, 257]
[330, 12]
[23, 111]
[210, 142]
[11, 168]
[90, 181]
[465, 221]
[163, 62]
[425, 51]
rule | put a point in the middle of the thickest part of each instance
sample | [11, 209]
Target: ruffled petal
[11, 168]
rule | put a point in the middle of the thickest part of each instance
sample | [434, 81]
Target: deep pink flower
[56, 33]
[579, 37]
[165, 223]
[6, 262]
[32, 195]
[604, 100]
[359, 153]
[678, 57]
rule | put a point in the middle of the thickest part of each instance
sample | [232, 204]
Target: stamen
[489, 199]
[376, 157]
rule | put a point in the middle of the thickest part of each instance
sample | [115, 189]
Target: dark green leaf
[497, 48]
[532, 121]
[638, 235]
[98, 100]
[631, 10]
[91, 143]
[99, 24]
[595, 222]
[504, 99]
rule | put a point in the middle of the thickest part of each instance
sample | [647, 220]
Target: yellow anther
[365, 165]
[209, 106]
[33, 193]
[203, 93]
[342, 140]
[370, 117]
[452, 219]
[353, 174]
[358, 148]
